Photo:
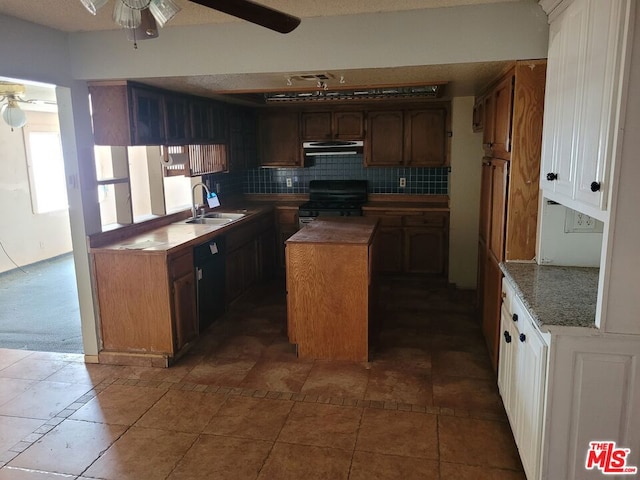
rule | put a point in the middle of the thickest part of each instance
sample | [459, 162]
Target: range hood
[332, 147]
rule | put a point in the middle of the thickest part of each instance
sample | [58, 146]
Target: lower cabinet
[147, 305]
[564, 387]
[250, 255]
[183, 289]
[286, 225]
[415, 241]
[522, 380]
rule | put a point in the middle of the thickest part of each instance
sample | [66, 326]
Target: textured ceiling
[71, 16]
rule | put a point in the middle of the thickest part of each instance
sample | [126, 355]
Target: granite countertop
[556, 296]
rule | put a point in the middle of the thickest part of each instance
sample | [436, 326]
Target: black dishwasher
[209, 265]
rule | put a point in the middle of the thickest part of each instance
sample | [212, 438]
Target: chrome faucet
[194, 209]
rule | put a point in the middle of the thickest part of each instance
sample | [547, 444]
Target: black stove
[333, 198]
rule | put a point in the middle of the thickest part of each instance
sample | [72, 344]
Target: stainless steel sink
[209, 221]
[230, 216]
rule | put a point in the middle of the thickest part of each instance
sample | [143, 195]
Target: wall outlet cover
[403, 182]
[289, 183]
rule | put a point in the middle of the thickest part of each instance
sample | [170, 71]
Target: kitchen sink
[209, 221]
[230, 216]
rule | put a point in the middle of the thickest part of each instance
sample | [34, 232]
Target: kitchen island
[329, 282]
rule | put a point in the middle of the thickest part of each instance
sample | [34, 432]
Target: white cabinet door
[582, 102]
[532, 376]
[507, 367]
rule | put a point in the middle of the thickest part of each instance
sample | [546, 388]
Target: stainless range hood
[332, 147]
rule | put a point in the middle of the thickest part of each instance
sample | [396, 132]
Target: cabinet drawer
[386, 219]
[181, 265]
[426, 219]
[507, 296]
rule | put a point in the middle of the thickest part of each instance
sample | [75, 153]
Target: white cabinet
[563, 387]
[522, 380]
[587, 47]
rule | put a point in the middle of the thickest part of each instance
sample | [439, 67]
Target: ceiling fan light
[13, 115]
[137, 4]
[125, 16]
[93, 5]
[163, 10]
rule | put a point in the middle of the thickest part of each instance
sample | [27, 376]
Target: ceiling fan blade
[254, 13]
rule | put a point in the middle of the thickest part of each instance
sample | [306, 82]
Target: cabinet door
[531, 385]
[499, 182]
[485, 200]
[502, 116]
[177, 120]
[348, 125]
[565, 80]
[508, 366]
[491, 307]
[315, 125]
[233, 276]
[280, 143]
[184, 304]
[147, 118]
[389, 250]
[425, 250]
[603, 66]
[384, 145]
[426, 137]
[267, 254]
[487, 132]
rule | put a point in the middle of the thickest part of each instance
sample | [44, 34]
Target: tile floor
[240, 405]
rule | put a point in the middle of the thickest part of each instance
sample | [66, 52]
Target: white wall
[491, 32]
[464, 195]
[27, 237]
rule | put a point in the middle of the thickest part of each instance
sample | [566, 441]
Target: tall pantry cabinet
[512, 110]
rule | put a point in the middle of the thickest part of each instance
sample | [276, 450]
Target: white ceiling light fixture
[139, 17]
[12, 114]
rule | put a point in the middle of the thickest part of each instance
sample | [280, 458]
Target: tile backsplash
[419, 180]
[430, 181]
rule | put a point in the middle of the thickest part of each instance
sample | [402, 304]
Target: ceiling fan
[141, 17]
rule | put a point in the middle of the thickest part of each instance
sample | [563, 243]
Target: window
[45, 166]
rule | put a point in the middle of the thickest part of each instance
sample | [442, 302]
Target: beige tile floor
[240, 405]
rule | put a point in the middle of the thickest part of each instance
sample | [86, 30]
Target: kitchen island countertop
[554, 295]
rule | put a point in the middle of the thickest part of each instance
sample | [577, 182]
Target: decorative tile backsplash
[419, 180]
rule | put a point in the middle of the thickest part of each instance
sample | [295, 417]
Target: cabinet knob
[514, 317]
[523, 337]
[595, 186]
[552, 176]
[507, 337]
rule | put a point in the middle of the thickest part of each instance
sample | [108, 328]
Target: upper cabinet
[332, 125]
[384, 145]
[127, 113]
[413, 137]
[498, 116]
[279, 134]
[583, 102]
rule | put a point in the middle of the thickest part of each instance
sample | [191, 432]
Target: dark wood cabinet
[384, 145]
[129, 113]
[208, 120]
[411, 242]
[177, 126]
[279, 134]
[332, 125]
[487, 132]
[499, 182]
[426, 138]
[243, 143]
[491, 306]
[286, 225]
[147, 116]
[485, 200]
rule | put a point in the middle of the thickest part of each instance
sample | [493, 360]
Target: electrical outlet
[576, 222]
[403, 182]
[289, 182]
